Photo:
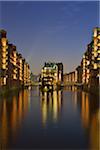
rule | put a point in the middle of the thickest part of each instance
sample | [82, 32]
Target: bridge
[65, 84]
[72, 84]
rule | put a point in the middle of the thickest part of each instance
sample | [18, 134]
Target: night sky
[50, 31]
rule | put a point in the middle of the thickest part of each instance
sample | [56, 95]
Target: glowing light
[4, 40]
[95, 66]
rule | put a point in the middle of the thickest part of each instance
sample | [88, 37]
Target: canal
[67, 119]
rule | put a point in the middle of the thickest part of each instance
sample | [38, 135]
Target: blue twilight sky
[50, 31]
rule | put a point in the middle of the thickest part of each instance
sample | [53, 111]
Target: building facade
[51, 75]
[95, 70]
[60, 72]
[12, 66]
[69, 78]
[91, 62]
[14, 70]
[3, 57]
[88, 73]
[78, 74]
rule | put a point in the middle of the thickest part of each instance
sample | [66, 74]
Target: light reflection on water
[57, 108]
[51, 104]
[12, 111]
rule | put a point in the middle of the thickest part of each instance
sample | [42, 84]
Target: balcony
[4, 55]
[4, 49]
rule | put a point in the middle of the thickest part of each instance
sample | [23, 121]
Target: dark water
[65, 119]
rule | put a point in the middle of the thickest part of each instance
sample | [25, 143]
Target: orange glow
[95, 131]
[44, 112]
[50, 103]
[4, 125]
[14, 115]
[85, 110]
[4, 41]
[55, 111]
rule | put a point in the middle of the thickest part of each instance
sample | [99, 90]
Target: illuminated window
[20, 60]
[4, 49]
[3, 40]
[98, 44]
[55, 74]
[14, 54]
[14, 76]
[95, 32]
[88, 71]
[3, 61]
[95, 66]
[95, 54]
[4, 55]
[4, 66]
[98, 36]
[4, 81]
[98, 58]
[88, 62]
[95, 42]
[95, 48]
[14, 63]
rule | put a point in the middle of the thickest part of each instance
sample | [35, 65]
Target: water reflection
[70, 88]
[68, 114]
[12, 112]
[94, 131]
[51, 104]
[88, 105]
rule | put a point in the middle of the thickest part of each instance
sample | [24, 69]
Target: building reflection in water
[51, 105]
[70, 88]
[13, 110]
[89, 110]
[3, 126]
[85, 110]
[95, 131]
[12, 113]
